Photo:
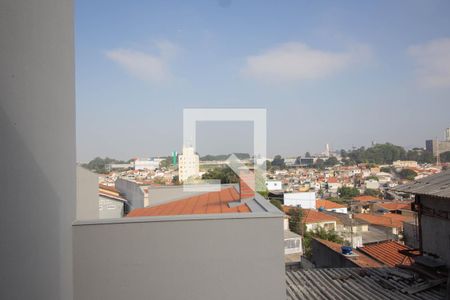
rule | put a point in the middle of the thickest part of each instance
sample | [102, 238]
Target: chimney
[246, 183]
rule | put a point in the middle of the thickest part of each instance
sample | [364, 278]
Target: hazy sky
[340, 72]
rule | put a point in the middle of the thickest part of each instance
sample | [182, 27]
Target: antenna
[438, 155]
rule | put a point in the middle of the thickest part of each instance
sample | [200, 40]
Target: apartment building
[188, 164]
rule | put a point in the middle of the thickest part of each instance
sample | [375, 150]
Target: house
[274, 185]
[362, 204]
[372, 184]
[293, 249]
[387, 253]
[392, 224]
[314, 219]
[349, 228]
[322, 204]
[110, 203]
[432, 204]
[392, 207]
[328, 254]
[333, 184]
[304, 200]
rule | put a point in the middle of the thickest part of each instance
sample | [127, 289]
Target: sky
[346, 73]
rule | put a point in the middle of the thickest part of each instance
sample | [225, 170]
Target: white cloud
[432, 62]
[297, 61]
[146, 66]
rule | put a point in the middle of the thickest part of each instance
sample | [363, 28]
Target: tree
[445, 157]
[321, 233]
[372, 192]
[319, 164]
[407, 174]
[348, 192]
[331, 162]
[277, 204]
[295, 219]
[99, 165]
[224, 174]
[278, 162]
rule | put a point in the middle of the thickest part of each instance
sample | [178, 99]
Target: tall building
[436, 146]
[188, 164]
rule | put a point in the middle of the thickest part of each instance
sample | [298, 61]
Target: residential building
[328, 254]
[432, 204]
[274, 185]
[387, 253]
[405, 164]
[391, 224]
[327, 205]
[372, 184]
[188, 164]
[110, 203]
[304, 200]
[313, 219]
[293, 249]
[146, 164]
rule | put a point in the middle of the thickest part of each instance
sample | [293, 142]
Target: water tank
[346, 250]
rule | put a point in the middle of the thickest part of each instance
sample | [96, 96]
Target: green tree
[348, 192]
[99, 165]
[295, 219]
[277, 204]
[224, 174]
[331, 162]
[407, 174]
[372, 192]
[278, 162]
[445, 157]
[321, 233]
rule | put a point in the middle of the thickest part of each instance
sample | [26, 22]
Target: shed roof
[437, 185]
[352, 283]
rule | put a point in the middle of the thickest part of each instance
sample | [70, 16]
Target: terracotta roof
[387, 220]
[327, 204]
[208, 203]
[394, 205]
[332, 180]
[360, 259]
[387, 253]
[366, 198]
[311, 216]
[110, 192]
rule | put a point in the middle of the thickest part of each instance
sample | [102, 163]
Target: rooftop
[366, 198]
[327, 204]
[206, 203]
[354, 283]
[358, 258]
[395, 205]
[437, 185]
[311, 216]
[387, 220]
[387, 253]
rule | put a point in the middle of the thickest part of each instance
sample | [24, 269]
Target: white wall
[274, 185]
[37, 152]
[305, 200]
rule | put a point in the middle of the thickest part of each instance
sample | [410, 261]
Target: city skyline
[345, 74]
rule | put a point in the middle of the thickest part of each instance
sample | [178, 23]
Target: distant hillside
[224, 156]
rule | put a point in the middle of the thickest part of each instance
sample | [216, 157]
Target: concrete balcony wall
[37, 149]
[239, 256]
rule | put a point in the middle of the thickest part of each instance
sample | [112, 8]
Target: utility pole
[438, 155]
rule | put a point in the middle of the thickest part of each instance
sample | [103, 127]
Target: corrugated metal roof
[435, 185]
[352, 283]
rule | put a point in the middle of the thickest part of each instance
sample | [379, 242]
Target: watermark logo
[191, 116]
